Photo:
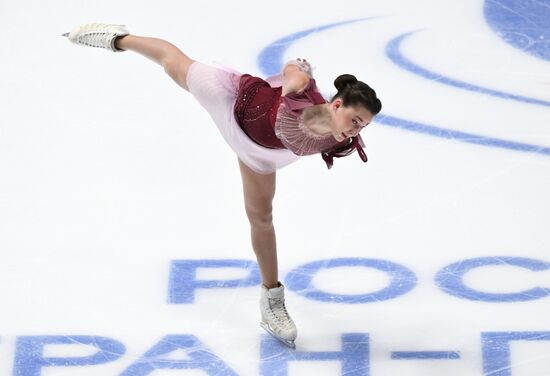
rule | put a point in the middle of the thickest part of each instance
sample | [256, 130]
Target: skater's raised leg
[116, 38]
[172, 59]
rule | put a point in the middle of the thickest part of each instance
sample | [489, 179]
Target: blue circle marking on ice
[402, 280]
[394, 53]
[524, 24]
[469, 138]
[451, 279]
[270, 61]
[271, 57]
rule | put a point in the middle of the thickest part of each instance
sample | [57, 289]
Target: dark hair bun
[356, 93]
[344, 80]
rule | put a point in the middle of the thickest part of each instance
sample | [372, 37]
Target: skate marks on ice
[523, 24]
[455, 315]
[354, 357]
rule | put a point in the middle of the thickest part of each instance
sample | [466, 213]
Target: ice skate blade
[286, 342]
[65, 35]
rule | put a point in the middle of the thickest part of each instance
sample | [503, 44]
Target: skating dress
[265, 130]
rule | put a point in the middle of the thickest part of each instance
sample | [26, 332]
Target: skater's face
[348, 121]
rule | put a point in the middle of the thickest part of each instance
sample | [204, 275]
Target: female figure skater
[269, 124]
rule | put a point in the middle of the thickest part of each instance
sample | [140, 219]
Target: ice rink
[125, 247]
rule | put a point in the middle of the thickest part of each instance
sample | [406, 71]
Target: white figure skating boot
[97, 35]
[275, 319]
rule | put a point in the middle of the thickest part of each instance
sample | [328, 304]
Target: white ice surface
[109, 172]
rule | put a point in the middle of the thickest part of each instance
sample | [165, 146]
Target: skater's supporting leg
[259, 191]
[175, 63]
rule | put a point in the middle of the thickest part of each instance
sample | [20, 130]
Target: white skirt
[216, 90]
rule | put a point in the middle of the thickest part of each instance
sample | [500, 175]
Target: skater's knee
[260, 215]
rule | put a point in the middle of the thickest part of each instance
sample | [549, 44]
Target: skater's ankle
[272, 285]
[120, 43]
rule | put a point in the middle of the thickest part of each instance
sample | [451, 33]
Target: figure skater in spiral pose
[269, 124]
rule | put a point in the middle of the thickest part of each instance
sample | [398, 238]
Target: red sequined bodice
[256, 110]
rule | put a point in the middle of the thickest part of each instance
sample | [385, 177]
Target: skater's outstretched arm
[175, 63]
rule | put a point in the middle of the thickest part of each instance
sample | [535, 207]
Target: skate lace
[96, 35]
[95, 39]
[279, 311]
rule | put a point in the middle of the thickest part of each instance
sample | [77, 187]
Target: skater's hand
[302, 64]
[305, 66]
